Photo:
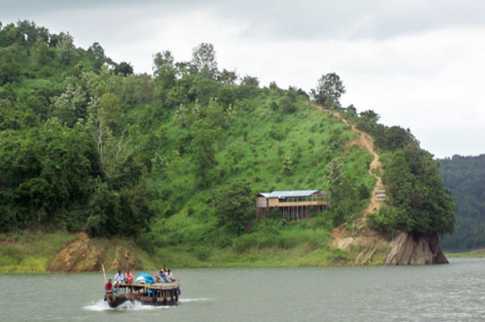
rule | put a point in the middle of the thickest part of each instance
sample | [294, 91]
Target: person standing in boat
[108, 287]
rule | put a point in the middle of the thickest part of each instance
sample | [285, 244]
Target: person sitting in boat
[129, 277]
[163, 276]
[170, 276]
[119, 278]
[156, 277]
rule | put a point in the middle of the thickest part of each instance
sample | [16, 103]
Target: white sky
[419, 64]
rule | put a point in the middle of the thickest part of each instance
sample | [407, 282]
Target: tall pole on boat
[104, 273]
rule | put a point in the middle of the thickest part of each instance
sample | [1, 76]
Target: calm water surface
[453, 292]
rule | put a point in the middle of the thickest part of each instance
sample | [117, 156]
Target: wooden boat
[148, 294]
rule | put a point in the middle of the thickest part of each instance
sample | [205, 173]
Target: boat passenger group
[165, 275]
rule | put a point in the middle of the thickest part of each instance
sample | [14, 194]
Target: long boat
[148, 294]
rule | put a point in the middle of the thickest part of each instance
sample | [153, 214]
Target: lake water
[454, 292]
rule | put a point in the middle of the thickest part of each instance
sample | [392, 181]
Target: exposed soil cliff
[87, 255]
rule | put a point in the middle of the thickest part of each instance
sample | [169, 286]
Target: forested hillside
[174, 159]
[465, 178]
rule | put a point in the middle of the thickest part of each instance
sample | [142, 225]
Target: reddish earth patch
[88, 255]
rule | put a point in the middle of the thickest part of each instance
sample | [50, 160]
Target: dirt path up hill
[365, 141]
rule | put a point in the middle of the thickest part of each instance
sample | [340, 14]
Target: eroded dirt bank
[87, 255]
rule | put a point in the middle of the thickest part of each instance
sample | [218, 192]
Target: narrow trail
[365, 141]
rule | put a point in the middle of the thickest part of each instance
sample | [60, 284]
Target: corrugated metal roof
[289, 193]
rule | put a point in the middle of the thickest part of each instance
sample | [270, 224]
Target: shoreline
[34, 252]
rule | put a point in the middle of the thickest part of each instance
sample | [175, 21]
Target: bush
[202, 253]
[234, 205]
[338, 256]
[386, 220]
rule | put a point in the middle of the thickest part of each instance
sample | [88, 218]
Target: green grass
[30, 251]
[477, 253]
[269, 245]
[302, 255]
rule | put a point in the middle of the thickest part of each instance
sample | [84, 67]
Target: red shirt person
[108, 287]
[129, 277]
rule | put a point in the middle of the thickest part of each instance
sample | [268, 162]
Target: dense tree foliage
[465, 178]
[63, 159]
[415, 188]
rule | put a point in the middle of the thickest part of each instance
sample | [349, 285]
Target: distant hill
[174, 160]
[465, 178]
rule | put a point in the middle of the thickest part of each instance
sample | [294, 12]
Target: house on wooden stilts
[292, 204]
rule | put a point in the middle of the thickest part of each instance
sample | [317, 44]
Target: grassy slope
[254, 148]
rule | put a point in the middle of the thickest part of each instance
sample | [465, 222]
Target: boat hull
[145, 295]
[114, 302]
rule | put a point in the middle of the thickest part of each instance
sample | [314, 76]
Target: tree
[234, 205]
[370, 116]
[395, 137]
[351, 111]
[65, 46]
[414, 186]
[288, 103]
[103, 121]
[227, 77]
[367, 122]
[31, 33]
[70, 106]
[342, 192]
[97, 53]
[329, 90]
[203, 151]
[250, 81]
[10, 69]
[41, 54]
[164, 71]
[123, 69]
[204, 60]
[465, 178]
[287, 165]
[44, 172]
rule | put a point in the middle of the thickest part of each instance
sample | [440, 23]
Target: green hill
[174, 160]
[465, 178]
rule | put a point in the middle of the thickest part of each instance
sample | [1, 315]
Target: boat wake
[101, 305]
[200, 299]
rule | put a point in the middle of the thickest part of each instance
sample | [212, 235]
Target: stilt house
[292, 204]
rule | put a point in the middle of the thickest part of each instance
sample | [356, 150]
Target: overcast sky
[419, 64]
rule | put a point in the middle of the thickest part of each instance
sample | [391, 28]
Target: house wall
[273, 202]
[261, 202]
